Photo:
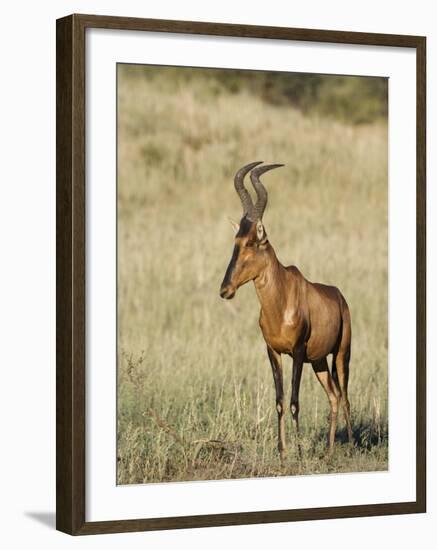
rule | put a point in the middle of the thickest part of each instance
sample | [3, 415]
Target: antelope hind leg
[323, 375]
[341, 369]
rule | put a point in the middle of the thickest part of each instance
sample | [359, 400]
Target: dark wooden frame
[70, 274]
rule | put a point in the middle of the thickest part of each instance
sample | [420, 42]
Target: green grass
[195, 392]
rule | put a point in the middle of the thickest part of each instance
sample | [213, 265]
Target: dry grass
[195, 391]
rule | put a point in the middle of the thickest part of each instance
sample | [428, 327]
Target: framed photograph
[265, 367]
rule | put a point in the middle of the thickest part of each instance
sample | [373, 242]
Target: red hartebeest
[305, 320]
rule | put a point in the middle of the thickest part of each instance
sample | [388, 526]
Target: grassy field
[195, 391]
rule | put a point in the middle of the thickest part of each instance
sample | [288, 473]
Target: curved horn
[261, 191]
[243, 193]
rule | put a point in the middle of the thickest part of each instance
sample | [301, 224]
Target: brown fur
[305, 320]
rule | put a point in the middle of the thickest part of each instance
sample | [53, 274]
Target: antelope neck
[270, 284]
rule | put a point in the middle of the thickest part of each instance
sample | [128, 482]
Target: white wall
[27, 312]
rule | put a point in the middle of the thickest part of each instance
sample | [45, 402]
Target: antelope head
[249, 255]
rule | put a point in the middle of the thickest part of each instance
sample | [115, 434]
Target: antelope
[307, 321]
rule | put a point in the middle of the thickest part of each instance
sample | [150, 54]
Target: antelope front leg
[276, 363]
[295, 385]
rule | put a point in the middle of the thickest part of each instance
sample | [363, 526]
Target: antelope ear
[259, 230]
[235, 225]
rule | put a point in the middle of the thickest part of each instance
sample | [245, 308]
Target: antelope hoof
[330, 451]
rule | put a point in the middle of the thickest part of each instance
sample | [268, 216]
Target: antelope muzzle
[227, 289]
[227, 293]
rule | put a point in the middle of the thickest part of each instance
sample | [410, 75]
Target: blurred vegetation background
[351, 99]
[195, 391]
